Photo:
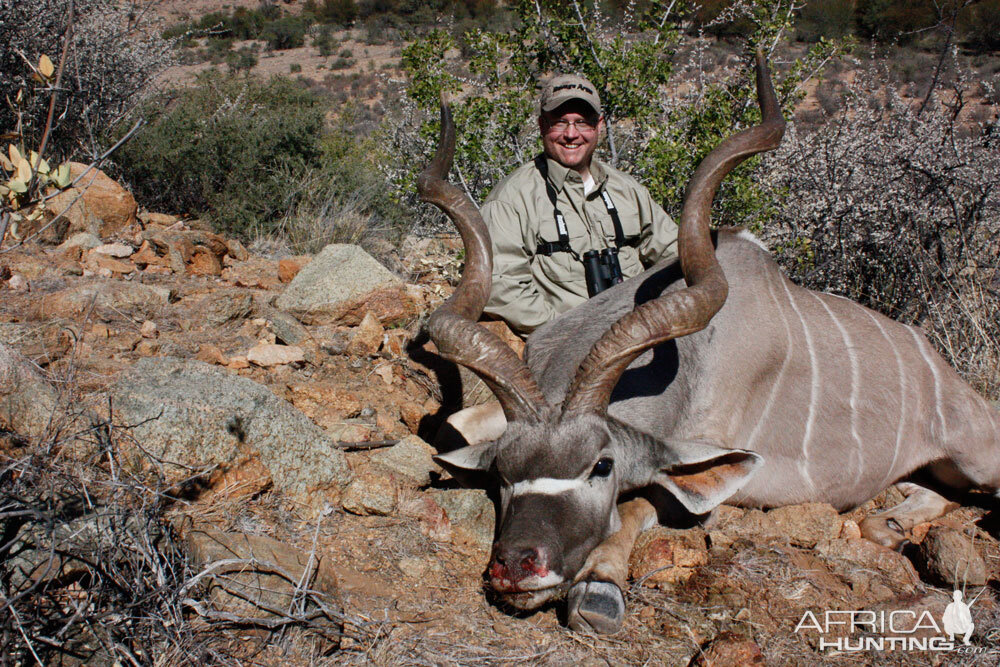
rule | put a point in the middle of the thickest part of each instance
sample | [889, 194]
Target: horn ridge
[453, 326]
[691, 309]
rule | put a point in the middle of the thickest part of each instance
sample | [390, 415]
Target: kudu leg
[888, 527]
[596, 600]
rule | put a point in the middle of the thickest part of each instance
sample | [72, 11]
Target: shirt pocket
[561, 267]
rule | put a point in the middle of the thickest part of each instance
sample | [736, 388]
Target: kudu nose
[510, 566]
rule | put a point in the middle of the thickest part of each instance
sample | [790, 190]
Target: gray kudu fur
[708, 380]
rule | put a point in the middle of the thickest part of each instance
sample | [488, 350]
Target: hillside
[216, 441]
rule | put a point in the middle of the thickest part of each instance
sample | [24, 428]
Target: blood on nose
[513, 565]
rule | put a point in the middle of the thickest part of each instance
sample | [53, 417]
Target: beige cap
[565, 87]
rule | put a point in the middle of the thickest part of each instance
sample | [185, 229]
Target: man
[545, 216]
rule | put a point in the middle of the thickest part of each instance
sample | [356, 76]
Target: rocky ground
[277, 412]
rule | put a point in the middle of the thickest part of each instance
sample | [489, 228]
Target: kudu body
[662, 386]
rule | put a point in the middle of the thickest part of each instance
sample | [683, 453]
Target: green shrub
[980, 26]
[346, 200]
[832, 19]
[324, 41]
[243, 59]
[285, 33]
[340, 12]
[295, 68]
[232, 148]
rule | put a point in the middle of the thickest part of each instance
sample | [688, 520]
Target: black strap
[562, 245]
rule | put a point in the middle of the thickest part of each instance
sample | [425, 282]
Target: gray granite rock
[339, 274]
[189, 415]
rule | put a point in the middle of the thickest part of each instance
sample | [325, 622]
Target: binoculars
[601, 269]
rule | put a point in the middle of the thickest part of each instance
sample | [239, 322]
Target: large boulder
[97, 204]
[109, 299]
[27, 400]
[190, 415]
[338, 283]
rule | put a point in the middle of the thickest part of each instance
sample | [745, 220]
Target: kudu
[665, 388]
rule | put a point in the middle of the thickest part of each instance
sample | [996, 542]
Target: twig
[364, 446]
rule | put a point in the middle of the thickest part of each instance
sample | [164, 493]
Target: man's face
[570, 133]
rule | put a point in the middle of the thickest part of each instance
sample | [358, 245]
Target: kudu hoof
[596, 606]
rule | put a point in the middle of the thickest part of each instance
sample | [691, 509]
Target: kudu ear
[469, 465]
[702, 475]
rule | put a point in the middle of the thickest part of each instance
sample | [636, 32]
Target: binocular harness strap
[562, 245]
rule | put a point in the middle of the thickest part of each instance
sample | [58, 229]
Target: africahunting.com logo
[898, 630]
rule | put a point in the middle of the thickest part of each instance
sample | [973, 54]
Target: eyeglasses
[581, 126]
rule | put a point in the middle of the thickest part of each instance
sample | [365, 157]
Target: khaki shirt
[530, 289]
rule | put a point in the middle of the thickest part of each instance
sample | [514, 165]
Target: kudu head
[562, 468]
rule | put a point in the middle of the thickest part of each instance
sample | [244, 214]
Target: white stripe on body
[921, 344]
[902, 399]
[855, 376]
[781, 373]
[813, 390]
[548, 486]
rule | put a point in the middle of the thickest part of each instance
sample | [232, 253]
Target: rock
[191, 415]
[471, 513]
[730, 649]
[27, 400]
[872, 569]
[204, 263]
[286, 328]
[118, 250]
[667, 556]
[412, 414]
[850, 530]
[411, 458]
[332, 283]
[18, 283]
[99, 263]
[391, 306]
[434, 521]
[947, 557]
[84, 240]
[238, 362]
[367, 337]
[104, 210]
[807, 523]
[211, 354]
[147, 256]
[216, 308]
[371, 493]
[111, 299]
[42, 343]
[418, 568]
[800, 525]
[289, 267]
[325, 403]
[336, 344]
[148, 329]
[270, 575]
[158, 219]
[265, 354]
[236, 250]
[254, 272]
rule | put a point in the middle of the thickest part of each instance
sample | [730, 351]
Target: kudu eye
[602, 468]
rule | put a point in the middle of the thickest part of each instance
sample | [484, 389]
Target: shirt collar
[558, 173]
